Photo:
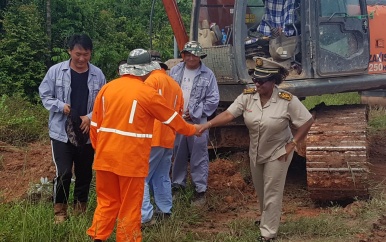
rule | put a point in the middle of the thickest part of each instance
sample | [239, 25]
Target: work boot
[60, 213]
[176, 190]
[148, 224]
[199, 199]
[79, 208]
[159, 216]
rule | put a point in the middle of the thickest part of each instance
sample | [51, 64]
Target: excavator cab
[312, 39]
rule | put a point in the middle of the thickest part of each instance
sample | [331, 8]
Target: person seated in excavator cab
[277, 35]
[279, 17]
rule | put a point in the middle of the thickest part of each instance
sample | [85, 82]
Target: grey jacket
[55, 92]
[204, 97]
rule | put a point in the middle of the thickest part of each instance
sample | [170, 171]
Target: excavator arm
[176, 22]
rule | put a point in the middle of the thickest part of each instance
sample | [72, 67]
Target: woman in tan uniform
[269, 114]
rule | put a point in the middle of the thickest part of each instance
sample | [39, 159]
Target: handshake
[200, 128]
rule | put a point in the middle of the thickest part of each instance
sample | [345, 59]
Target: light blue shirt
[204, 96]
[55, 92]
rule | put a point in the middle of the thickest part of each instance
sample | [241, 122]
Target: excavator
[328, 47]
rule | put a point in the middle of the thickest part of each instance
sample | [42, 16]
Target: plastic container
[224, 37]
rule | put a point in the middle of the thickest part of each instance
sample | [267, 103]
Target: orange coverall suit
[164, 136]
[158, 180]
[121, 133]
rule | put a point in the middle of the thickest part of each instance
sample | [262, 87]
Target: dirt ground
[229, 180]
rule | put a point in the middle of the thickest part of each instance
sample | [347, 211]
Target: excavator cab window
[331, 36]
[342, 40]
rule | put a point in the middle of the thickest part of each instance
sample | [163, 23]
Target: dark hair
[121, 63]
[80, 39]
[279, 77]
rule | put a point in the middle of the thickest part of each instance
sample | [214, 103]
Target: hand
[198, 128]
[66, 109]
[288, 149]
[275, 32]
[85, 125]
[205, 127]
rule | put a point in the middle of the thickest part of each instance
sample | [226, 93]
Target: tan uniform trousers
[119, 199]
[269, 180]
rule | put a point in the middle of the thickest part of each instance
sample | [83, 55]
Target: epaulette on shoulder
[286, 96]
[249, 91]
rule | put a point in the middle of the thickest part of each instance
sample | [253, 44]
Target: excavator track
[337, 153]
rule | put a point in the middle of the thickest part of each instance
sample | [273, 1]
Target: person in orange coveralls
[121, 133]
[158, 180]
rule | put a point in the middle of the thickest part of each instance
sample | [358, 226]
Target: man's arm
[48, 95]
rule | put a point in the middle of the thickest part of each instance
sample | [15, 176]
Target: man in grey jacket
[70, 88]
[201, 98]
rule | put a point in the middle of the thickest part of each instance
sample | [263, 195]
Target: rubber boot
[60, 213]
[79, 208]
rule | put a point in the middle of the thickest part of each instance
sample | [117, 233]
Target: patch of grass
[20, 121]
[28, 221]
[333, 99]
[25, 221]
[323, 226]
[377, 119]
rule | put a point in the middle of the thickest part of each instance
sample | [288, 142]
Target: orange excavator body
[176, 22]
[377, 59]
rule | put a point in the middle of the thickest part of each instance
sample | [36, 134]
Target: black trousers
[66, 157]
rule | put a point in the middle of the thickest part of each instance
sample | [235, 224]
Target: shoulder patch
[249, 91]
[285, 95]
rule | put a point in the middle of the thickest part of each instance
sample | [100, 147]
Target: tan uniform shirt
[269, 126]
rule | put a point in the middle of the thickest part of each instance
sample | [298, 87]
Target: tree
[38, 30]
[23, 47]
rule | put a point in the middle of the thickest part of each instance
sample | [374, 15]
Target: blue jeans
[158, 181]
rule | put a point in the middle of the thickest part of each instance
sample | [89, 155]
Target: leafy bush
[20, 121]
[23, 51]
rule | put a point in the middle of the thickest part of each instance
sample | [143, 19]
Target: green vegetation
[378, 119]
[30, 221]
[333, 99]
[34, 34]
[20, 121]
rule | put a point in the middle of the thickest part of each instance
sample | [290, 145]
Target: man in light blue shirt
[201, 98]
[68, 92]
